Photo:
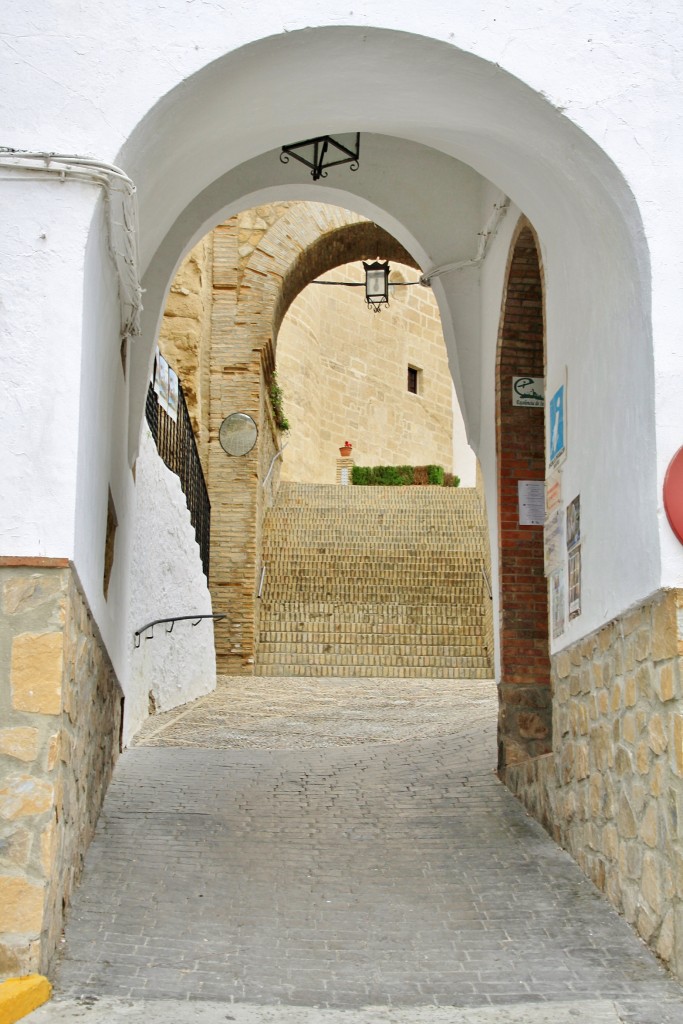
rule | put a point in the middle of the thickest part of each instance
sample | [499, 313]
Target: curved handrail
[172, 619]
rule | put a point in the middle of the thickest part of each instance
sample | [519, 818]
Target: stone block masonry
[60, 716]
[611, 791]
[374, 581]
[344, 374]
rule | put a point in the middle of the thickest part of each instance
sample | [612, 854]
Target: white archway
[466, 132]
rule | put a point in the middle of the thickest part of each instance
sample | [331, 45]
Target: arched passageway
[433, 183]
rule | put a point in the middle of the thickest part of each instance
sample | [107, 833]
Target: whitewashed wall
[166, 579]
[572, 111]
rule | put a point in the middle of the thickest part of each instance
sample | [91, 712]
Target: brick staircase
[374, 581]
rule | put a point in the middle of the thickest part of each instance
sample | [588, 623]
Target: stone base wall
[611, 792]
[60, 709]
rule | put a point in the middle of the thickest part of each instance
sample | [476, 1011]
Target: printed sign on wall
[557, 425]
[557, 603]
[528, 391]
[531, 498]
[553, 541]
[574, 555]
[574, 522]
[574, 569]
[553, 490]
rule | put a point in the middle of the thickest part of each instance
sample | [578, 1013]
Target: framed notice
[553, 490]
[574, 573]
[553, 542]
[557, 603]
[557, 425]
[574, 523]
[531, 498]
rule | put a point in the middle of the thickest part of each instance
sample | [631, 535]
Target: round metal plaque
[238, 433]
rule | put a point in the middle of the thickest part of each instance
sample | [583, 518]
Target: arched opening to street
[450, 189]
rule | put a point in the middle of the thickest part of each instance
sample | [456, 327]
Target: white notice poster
[531, 495]
[553, 542]
[557, 603]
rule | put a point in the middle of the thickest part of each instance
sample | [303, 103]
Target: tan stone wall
[223, 313]
[60, 709]
[611, 792]
[184, 338]
[343, 370]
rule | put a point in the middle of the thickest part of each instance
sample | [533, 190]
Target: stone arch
[251, 295]
[526, 703]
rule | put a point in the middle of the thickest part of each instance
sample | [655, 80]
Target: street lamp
[377, 285]
[322, 152]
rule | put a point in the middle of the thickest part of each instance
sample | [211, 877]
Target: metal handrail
[487, 581]
[175, 618]
[177, 446]
[262, 580]
[278, 455]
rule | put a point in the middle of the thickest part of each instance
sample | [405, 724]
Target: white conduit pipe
[485, 236]
[122, 215]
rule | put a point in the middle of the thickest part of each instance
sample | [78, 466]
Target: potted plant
[345, 449]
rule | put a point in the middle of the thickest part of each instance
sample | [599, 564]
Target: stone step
[377, 660]
[377, 618]
[313, 590]
[306, 629]
[365, 671]
[373, 581]
[349, 647]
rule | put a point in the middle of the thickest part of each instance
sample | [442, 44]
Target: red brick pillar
[525, 713]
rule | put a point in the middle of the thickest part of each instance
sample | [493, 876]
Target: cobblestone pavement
[295, 714]
[389, 874]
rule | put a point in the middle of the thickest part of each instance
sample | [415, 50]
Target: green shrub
[276, 401]
[401, 476]
[360, 475]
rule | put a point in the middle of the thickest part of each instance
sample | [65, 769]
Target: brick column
[525, 719]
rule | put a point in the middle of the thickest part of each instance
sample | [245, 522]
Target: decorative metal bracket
[176, 618]
[317, 160]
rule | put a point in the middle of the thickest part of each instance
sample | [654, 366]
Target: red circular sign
[673, 494]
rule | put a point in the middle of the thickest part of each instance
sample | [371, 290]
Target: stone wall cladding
[611, 792]
[344, 370]
[60, 713]
[185, 335]
[253, 254]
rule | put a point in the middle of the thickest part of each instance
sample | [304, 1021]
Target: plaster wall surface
[549, 110]
[45, 225]
[166, 579]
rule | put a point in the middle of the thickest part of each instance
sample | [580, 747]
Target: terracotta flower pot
[345, 450]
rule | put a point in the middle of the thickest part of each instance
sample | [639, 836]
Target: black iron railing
[177, 446]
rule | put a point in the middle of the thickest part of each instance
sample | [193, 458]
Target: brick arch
[526, 706]
[362, 241]
[298, 247]
[261, 261]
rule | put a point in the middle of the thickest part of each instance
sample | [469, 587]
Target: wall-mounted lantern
[322, 152]
[377, 285]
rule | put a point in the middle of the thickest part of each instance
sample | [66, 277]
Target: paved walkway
[398, 875]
